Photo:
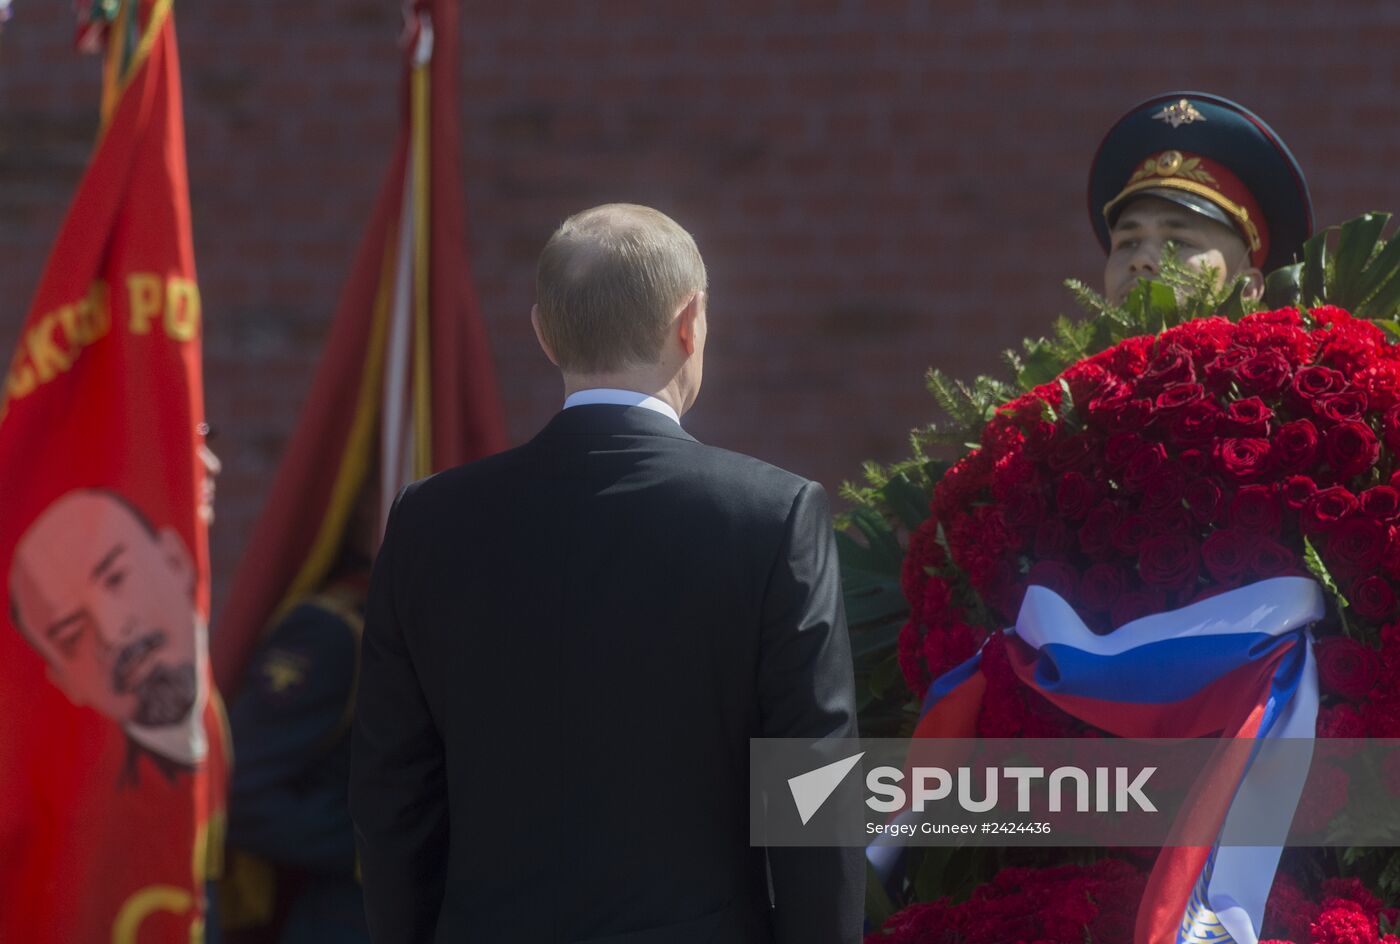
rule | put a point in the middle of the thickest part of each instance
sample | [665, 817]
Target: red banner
[405, 386]
[112, 758]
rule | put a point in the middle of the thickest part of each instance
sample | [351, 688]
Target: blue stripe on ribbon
[1151, 674]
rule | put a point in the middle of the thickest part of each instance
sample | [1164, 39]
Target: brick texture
[877, 185]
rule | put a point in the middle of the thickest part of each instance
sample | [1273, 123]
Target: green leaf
[1314, 289]
[1355, 247]
[1385, 302]
[1283, 288]
[929, 880]
[1233, 307]
[1391, 328]
[1040, 367]
[878, 906]
[867, 642]
[907, 500]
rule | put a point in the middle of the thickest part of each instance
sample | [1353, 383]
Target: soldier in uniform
[292, 875]
[1207, 176]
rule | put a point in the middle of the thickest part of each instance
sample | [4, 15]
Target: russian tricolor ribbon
[1235, 665]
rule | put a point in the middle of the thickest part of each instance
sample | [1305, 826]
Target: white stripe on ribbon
[1273, 607]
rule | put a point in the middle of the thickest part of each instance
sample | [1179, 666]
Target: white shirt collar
[621, 398]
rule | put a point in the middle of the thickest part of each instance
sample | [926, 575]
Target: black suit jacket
[567, 649]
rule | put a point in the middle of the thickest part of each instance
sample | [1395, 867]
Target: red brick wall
[876, 186]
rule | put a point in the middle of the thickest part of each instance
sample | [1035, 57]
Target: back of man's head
[610, 282]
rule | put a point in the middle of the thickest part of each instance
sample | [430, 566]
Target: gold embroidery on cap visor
[1174, 164]
[1236, 212]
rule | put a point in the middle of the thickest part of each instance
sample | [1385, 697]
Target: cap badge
[1173, 164]
[1181, 113]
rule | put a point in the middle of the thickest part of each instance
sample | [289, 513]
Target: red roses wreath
[1161, 471]
[1167, 469]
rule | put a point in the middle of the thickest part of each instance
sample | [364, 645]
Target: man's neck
[668, 393]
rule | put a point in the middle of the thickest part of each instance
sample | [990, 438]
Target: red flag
[405, 386]
[112, 758]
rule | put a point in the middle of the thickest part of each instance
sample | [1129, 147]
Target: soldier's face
[1141, 236]
[110, 607]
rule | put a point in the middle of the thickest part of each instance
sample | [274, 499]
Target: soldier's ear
[1253, 284]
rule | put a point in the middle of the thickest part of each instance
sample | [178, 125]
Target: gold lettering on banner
[144, 292]
[53, 345]
[48, 358]
[181, 308]
[145, 903]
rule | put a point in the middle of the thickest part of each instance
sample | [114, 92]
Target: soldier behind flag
[404, 388]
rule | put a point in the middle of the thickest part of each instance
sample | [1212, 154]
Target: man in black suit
[569, 645]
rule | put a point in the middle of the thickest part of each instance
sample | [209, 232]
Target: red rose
[1341, 925]
[1289, 912]
[1341, 721]
[1057, 576]
[1170, 562]
[1221, 371]
[1164, 488]
[1373, 598]
[1075, 496]
[1257, 509]
[1072, 453]
[1023, 509]
[1242, 459]
[1086, 379]
[1271, 559]
[1390, 429]
[948, 644]
[1323, 797]
[1171, 365]
[1052, 538]
[1120, 447]
[1295, 445]
[1341, 407]
[1297, 490]
[1173, 519]
[1095, 537]
[1381, 503]
[1179, 395]
[1345, 667]
[1130, 532]
[1203, 498]
[1352, 889]
[1196, 422]
[1136, 604]
[1351, 449]
[1264, 373]
[908, 649]
[1249, 417]
[1326, 509]
[1101, 586]
[1227, 553]
[1040, 436]
[1355, 546]
[1313, 382]
[1120, 409]
[1390, 560]
[1194, 462]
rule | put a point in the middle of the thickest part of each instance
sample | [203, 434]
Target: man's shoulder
[732, 479]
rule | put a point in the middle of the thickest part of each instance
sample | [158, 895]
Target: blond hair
[609, 282]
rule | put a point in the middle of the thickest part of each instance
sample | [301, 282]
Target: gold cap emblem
[1181, 113]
